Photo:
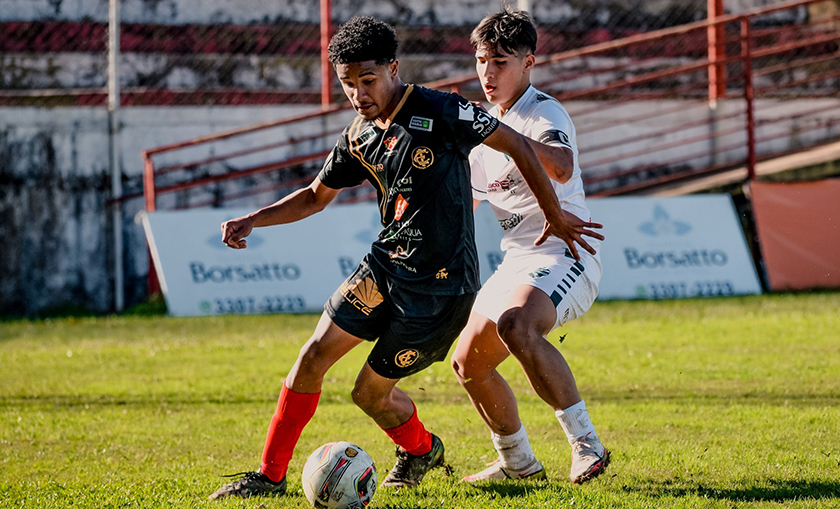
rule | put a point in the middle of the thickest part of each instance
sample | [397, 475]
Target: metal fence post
[326, 68]
[114, 142]
[749, 92]
[717, 51]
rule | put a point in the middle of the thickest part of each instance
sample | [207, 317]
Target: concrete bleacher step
[809, 164]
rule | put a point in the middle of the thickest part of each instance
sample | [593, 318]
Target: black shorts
[413, 330]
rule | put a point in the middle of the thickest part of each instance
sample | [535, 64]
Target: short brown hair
[512, 31]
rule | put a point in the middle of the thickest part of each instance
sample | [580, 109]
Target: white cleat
[495, 472]
[589, 458]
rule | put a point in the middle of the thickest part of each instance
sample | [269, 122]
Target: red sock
[411, 436]
[294, 410]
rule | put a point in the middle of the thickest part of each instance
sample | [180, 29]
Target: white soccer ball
[339, 475]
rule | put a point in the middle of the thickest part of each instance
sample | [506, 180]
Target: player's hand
[571, 230]
[235, 231]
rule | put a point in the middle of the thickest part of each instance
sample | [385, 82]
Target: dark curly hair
[512, 31]
[361, 39]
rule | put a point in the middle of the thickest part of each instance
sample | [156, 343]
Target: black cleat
[410, 469]
[249, 485]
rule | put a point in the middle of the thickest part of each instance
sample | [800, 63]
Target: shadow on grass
[772, 490]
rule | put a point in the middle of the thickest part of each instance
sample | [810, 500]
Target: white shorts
[572, 286]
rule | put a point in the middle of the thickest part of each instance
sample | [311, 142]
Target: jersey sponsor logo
[404, 265]
[541, 272]
[498, 186]
[406, 358]
[398, 253]
[362, 294]
[390, 143]
[482, 121]
[442, 274]
[365, 135]
[401, 231]
[421, 124]
[422, 157]
[465, 112]
[510, 222]
[555, 135]
[399, 207]
[403, 185]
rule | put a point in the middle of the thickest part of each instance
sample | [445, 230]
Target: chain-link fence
[187, 52]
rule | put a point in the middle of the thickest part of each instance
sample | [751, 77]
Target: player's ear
[530, 60]
[394, 68]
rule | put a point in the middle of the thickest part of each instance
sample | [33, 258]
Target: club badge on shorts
[406, 358]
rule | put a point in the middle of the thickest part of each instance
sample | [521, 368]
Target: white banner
[662, 248]
[287, 268]
[656, 248]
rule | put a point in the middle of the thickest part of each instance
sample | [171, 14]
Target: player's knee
[469, 367]
[515, 330]
[315, 357]
[368, 401]
[457, 364]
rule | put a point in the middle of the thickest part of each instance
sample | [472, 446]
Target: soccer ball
[339, 475]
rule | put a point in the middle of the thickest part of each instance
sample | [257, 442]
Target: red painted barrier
[799, 232]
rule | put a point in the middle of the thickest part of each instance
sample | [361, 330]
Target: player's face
[504, 76]
[372, 89]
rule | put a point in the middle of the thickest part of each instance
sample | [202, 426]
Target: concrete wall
[54, 185]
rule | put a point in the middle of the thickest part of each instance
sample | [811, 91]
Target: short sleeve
[553, 126]
[477, 174]
[340, 170]
[470, 124]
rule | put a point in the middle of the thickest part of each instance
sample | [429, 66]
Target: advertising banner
[656, 248]
[286, 268]
[665, 248]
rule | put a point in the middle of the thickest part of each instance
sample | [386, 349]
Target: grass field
[705, 403]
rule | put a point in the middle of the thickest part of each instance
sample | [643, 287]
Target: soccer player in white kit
[536, 288]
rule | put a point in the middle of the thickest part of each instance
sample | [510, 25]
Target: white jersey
[496, 178]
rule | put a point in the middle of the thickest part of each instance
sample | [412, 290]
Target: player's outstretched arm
[294, 207]
[559, 223]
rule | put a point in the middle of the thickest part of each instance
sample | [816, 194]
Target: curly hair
[361, 39]
[512, 31]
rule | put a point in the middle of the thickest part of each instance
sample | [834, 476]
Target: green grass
[705, 403]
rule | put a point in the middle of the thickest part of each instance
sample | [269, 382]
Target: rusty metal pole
[749, 95]
[717, 51]
[150, 199]
[326, 68]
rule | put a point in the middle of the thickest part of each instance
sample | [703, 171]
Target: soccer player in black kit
[413, 292]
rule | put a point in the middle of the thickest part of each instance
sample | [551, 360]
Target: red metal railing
[650, 109]
[644, 76]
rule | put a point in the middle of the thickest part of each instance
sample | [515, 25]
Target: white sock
[514, 450]
[575, 421]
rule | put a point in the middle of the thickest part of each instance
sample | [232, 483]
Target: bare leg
[522, 328]
[479, 352]
[379, 397]
[327, 345]
[521, 331]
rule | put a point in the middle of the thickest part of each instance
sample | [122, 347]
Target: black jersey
[418, 164]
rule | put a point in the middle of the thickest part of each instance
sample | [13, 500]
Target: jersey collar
[519, 100]
[385, 125]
